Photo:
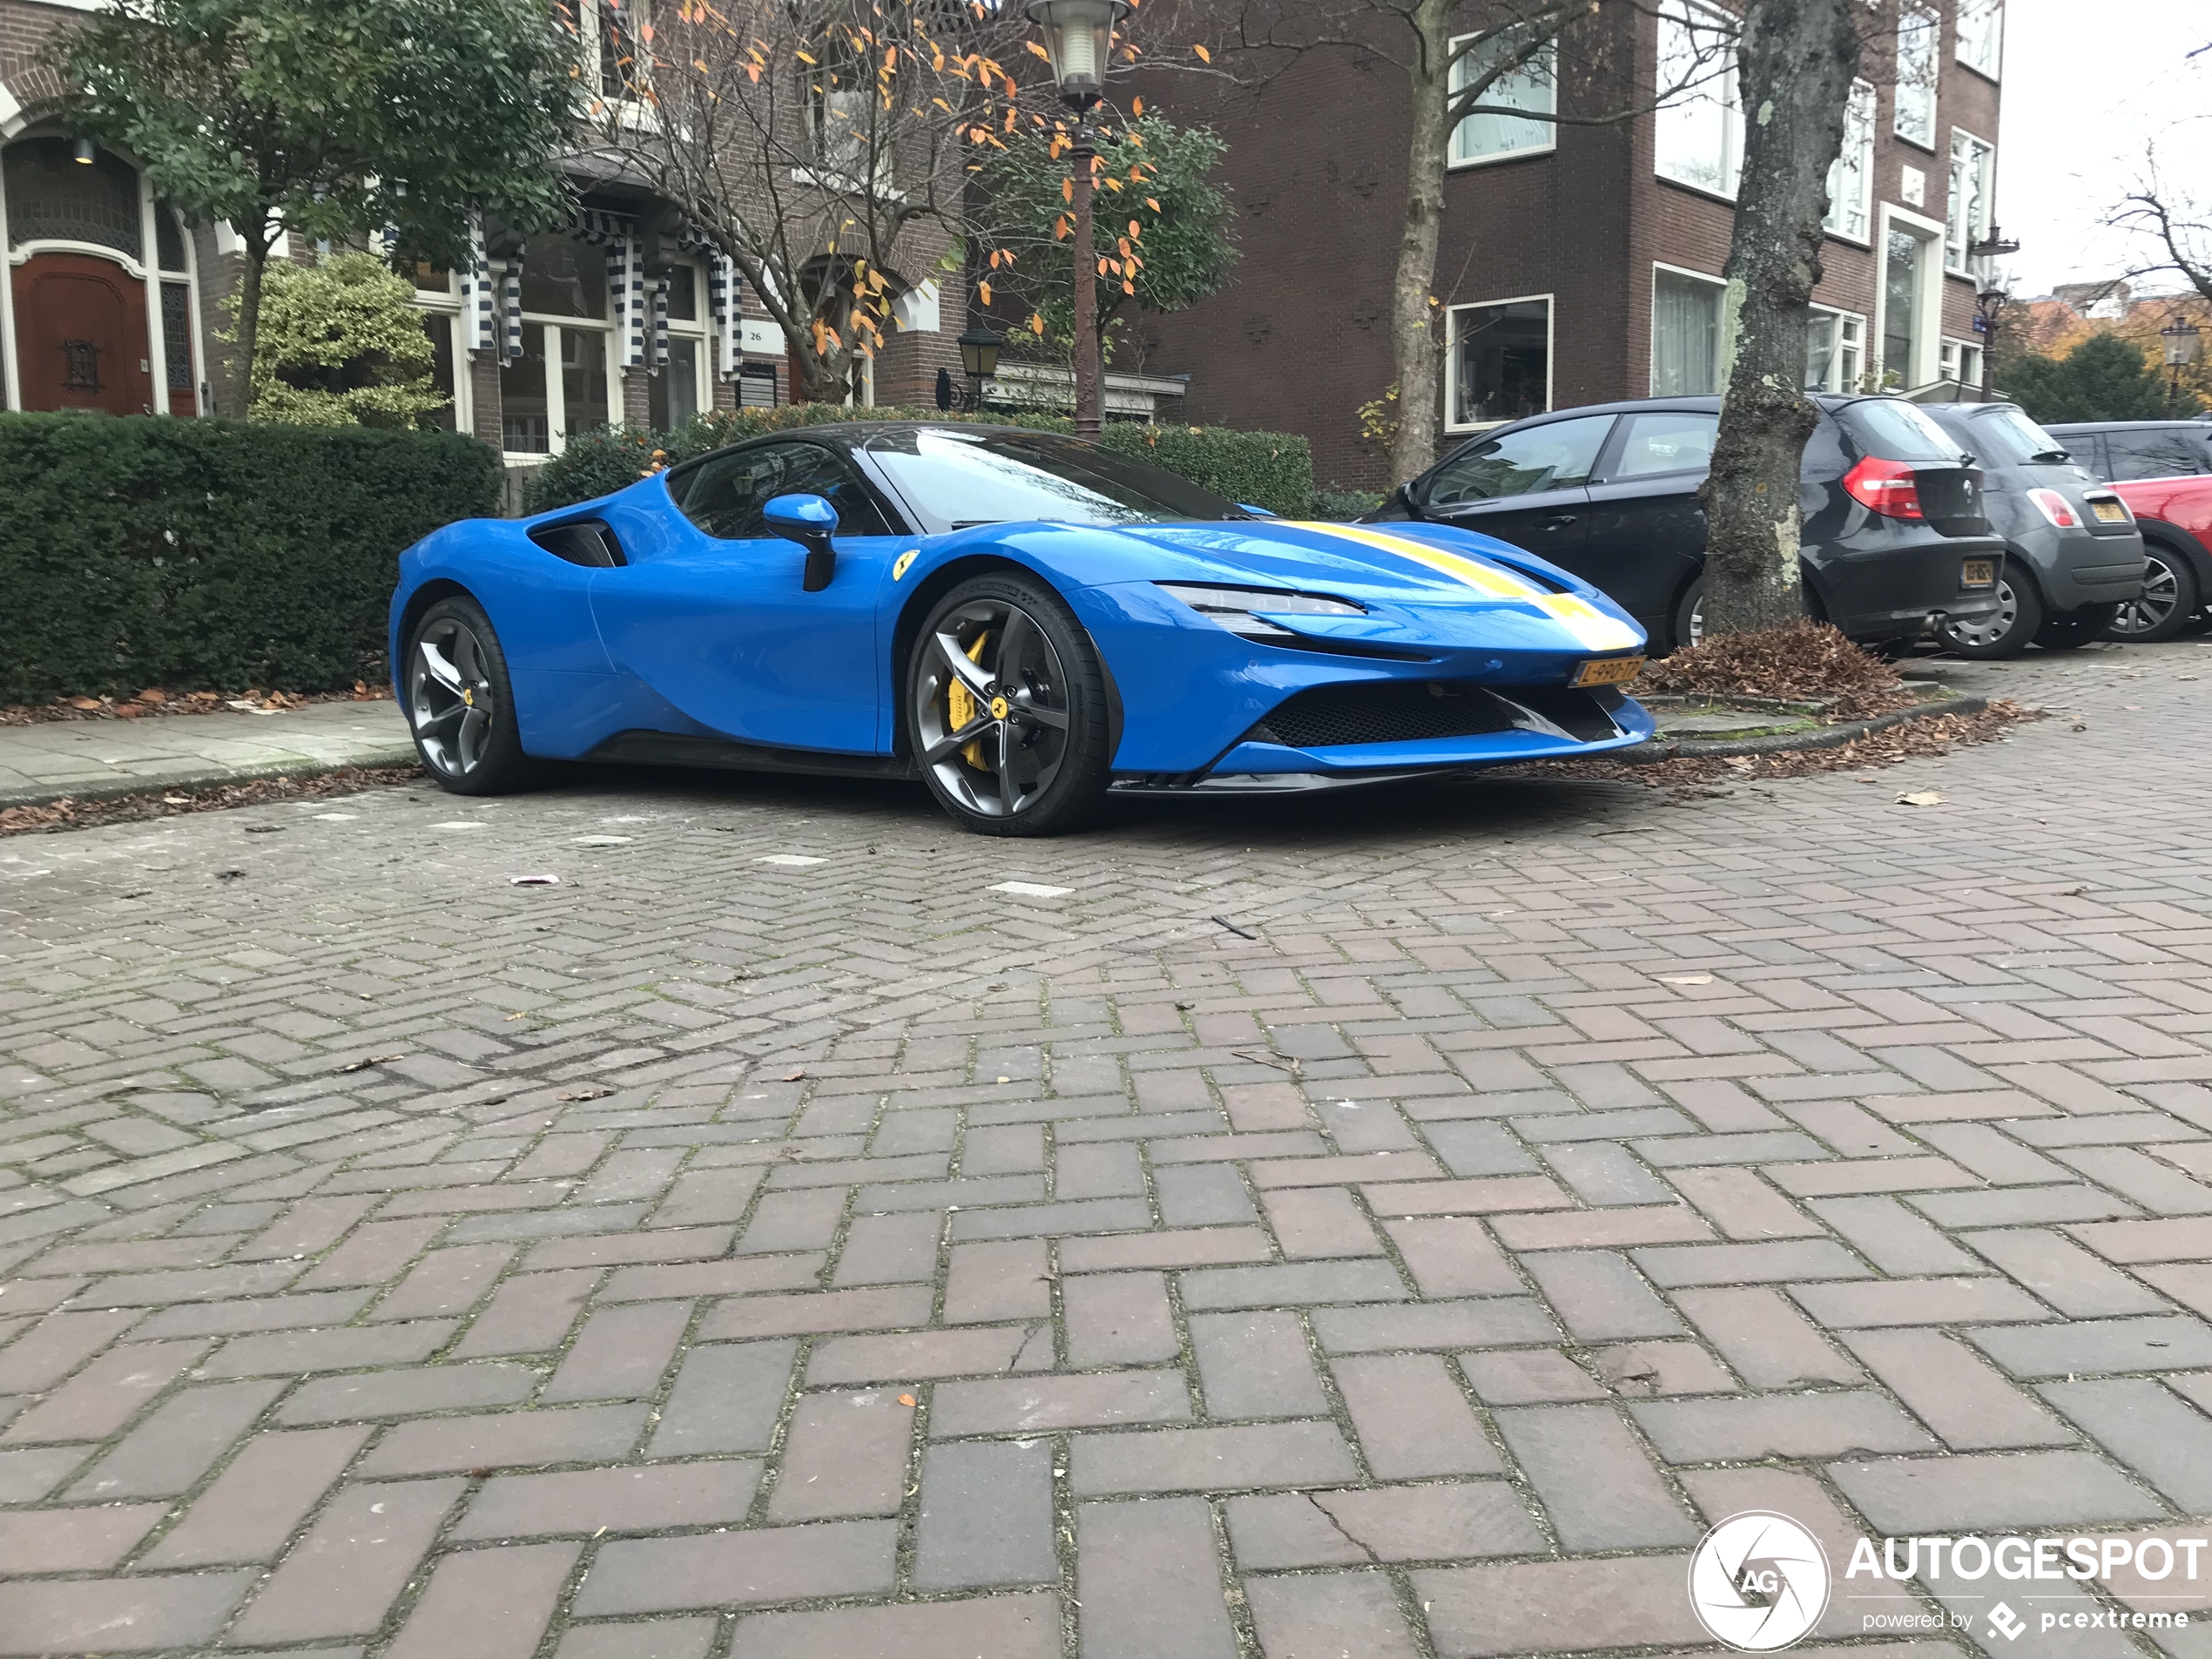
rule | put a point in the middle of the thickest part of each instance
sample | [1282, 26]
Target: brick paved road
[778, 1239]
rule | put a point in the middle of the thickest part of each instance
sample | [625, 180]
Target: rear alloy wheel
[460, 702]
[2005, 633]
[2170, 599]
[1007, 709]
[1689, 616]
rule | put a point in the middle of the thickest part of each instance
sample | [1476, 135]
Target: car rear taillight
[2056, 507]
[1886, 487]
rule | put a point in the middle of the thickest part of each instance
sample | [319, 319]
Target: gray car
[2072, 553]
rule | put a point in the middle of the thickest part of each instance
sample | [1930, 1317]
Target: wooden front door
[81, 335]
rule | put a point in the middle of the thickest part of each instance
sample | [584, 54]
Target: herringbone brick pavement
[1395, 1225]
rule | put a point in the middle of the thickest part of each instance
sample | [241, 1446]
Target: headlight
[1234, 608]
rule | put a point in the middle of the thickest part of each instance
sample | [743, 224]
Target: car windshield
[1899, 431]
[957, 477]
[2006, 437]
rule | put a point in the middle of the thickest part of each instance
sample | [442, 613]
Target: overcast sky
[2087, 88]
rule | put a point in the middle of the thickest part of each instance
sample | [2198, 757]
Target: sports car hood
[1417, 581]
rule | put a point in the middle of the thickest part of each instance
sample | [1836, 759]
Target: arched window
[52, 197]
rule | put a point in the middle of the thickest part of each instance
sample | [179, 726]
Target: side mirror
[809, 521]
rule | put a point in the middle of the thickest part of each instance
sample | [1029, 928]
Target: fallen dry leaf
[1920, 798]
[906, 1399]
[374, 1059]
[590, 1091]
[795, 1074]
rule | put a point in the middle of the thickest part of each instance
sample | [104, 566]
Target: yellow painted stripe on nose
[1591, 627]
[1484, 578]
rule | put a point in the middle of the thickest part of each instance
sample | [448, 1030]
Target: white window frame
[1928, 18]
[1720, 341]
[1961, 360]
[1858, 131]
[696, 331]
[1926, 366]
[1452, 356]
[1974, 41]
[1722, 86]
[1455, 159]
[1959, 237]
[1851, 343]
[447, 305]
[636, 113]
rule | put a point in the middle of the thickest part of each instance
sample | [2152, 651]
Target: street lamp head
[979, 353]
[1078, 37]
[2181, 339]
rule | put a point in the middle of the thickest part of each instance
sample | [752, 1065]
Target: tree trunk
[1798, 58]
[1416, 326]
[249, 329]
[822, 378]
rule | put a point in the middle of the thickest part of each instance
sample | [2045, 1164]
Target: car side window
[2165, 453]
[728, 496]
[1665, 441]
[1556, 456]
[2087, 450]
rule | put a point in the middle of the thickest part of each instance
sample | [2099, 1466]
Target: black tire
[1689, 619]
[2075, 628]
[1029, 695]
[2170, 600]
[2020, 617]
[459, 702]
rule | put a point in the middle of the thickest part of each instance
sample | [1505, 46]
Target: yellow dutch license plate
[1609, 670]
[2108, 512]
[1977, 573]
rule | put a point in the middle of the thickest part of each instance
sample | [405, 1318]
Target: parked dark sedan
[2118, 450]
[2073, 553]
[1895, 541]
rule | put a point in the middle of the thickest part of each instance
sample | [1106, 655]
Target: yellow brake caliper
[961, 705]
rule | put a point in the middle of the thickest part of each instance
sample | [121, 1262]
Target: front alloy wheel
[460, 702]
[1006, 701]
[2169, 599]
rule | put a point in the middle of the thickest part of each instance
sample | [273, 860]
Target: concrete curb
[206, 777]
[1826, 737]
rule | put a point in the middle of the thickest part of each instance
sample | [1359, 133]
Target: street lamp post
[2181, 339]
[1989, 297]
[1078, 37]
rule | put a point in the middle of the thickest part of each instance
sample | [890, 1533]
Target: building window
[1974, 178]
[1909, 303]
[53, 198]
[841, 106]
[1850, 180]
[615, 53]
[1533, 87]
[676, 393]
[1981, 35]
[1918, 30]
[1685, 333]
[1699, 140]
[176, 345]
[1497, 364]
[438, 297]
[1962, 362]
[564, 383]
[1835, 350]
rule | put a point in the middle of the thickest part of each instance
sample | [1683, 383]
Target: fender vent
[1329, 717]
[581, 541]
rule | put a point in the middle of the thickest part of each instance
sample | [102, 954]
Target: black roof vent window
[581, 541]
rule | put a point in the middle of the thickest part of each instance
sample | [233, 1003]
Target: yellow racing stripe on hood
[1591, 627]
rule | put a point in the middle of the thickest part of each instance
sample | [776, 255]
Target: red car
[2177, 518]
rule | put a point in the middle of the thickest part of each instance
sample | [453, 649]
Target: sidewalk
[88, 759]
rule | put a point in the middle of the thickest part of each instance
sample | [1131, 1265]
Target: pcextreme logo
[1760, 1582]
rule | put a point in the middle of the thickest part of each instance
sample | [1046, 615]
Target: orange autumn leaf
[1037, 325]
[1136, 107]
[1067, 190]
[1153, 203]
[984, 289]
[1134, 232]
[1204, 57]
[906, 1399]
[1033, 46]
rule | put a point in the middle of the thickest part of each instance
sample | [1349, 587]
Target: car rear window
[1897, 431]
[2005, 437]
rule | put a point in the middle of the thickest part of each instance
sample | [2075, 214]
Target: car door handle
[1556, 522]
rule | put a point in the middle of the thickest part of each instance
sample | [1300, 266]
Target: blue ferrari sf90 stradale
[1024, 622]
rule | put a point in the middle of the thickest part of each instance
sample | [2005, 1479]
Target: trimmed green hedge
[151, 550]
[1270, 470]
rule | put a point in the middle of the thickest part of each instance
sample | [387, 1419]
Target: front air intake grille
[1331, 716]
[1328, 717]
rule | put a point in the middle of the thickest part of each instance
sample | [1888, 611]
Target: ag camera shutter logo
[1759, 1581]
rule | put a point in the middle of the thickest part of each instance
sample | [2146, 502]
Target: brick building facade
[112, 300]
[1578, 264]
